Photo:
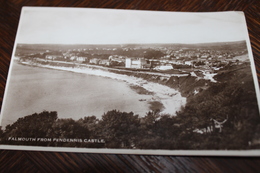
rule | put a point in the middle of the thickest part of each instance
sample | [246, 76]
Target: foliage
[32, 126]
[68, 128]
[158, 131]
[35, 125]
[233, 100]
[153, 54]
[120, 129]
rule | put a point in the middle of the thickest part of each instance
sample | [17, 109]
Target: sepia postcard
[131, 82]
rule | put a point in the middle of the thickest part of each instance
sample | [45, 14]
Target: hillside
[232, 100]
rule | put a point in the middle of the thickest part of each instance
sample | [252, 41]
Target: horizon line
[129, 43]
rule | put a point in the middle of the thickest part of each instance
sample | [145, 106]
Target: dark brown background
[28, 161]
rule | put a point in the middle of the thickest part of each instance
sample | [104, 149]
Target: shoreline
[170, 98]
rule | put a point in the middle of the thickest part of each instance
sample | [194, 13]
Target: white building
[137, 63]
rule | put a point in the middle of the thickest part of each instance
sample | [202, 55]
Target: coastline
[170, 98]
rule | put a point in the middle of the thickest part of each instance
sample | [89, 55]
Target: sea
[33, 89]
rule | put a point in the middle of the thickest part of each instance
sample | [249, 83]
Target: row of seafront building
[170, 60]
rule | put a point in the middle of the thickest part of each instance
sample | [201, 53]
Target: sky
[46, 25]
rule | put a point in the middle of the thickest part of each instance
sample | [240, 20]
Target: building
[136, 63]
[105, 62]
[94, 61]
[81, 59]
[53, 57]
[164, 67]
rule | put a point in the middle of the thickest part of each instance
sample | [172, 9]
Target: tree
[153, 54]
[32, 126]
[91, 124]
[233, 99]
[158, 131]
[35, 125]
[68, 128]
[119, 129]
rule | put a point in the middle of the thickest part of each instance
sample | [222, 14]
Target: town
[175, 58]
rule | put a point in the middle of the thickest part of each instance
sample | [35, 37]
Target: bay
[73, 95]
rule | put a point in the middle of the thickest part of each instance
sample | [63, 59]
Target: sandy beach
[169, 97]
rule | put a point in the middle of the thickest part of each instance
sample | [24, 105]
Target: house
[105, 62]
[188, 62]
[116, 59]
[136, 63]
[164, 67]
[72, 58]
[81, 59]
[94, 61]
[53, 57]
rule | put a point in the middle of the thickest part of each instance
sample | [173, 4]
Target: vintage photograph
[129, 81]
